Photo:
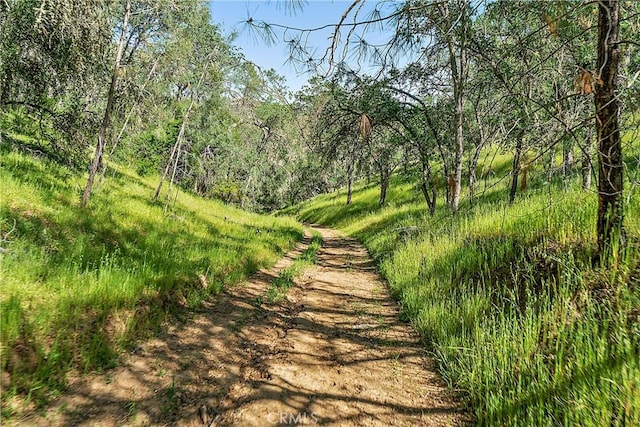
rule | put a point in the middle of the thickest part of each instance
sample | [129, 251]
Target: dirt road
[333, 353]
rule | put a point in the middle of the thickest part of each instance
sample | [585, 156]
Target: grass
[80, 285]
[507, 299]
[285, 280]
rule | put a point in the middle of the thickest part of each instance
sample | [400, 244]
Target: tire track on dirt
[333, 353]
[341, 356]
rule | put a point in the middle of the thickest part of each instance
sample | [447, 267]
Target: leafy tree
[50, 56]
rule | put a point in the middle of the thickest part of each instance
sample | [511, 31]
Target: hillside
[154, 178]
[506, 297]
[80, 285]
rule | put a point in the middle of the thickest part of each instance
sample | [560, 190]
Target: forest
[486, 153]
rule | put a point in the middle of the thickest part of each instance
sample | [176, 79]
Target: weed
[170, 404]
[131, 406]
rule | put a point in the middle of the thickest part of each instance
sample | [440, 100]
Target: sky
[231, 15]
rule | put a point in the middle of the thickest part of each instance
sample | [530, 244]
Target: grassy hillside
[80, 284]
[507, 299]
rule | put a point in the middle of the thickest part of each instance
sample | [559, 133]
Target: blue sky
[232, 14]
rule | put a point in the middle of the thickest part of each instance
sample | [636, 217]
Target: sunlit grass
[78, 284]
[507, 296]
[286, 278]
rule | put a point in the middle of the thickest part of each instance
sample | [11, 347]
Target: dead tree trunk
[610, 166]
[106, 118]
[175, 152]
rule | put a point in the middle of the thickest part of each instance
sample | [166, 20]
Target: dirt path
[334, 353]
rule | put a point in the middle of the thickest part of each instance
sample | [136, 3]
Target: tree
[106, 118]
[144, 25]
[610, 164]
[455, 30]
[50, 66]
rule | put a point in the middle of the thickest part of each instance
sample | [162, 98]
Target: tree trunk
[472, 172]
[384, 184]
[610, 166]
[427, 186]
[515, 169]
[586, 160]
[349, 182]
[126, 123]
[458, 65]
[175, 168]
[174, 153]
[185, 119]
[551, 163]
[447, 188]
[455, 197]
[567, 159]
[102, 134]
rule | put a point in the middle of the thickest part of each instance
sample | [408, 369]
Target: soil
[333, 353]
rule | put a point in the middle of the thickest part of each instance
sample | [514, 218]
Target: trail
[335, 353]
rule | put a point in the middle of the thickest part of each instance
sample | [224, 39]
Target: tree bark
[610, 166]
[472, 171]
[106, 119]
[384, 185]
[175, 150]
[175, 165]
[427, 186]
[455, 197]
[586, 160]
[349, 182]
[567, 159]
[446, 175]
[458, 64]
[551, 163]
[515, 169]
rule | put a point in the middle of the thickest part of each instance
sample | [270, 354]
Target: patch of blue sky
[290, 23]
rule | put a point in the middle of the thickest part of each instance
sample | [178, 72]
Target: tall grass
[507, 299]
[78, 285]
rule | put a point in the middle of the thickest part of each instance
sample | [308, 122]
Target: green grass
[285, 280]
[79, 285]
[507, 299]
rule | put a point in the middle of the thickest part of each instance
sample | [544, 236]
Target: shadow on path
[333, 353]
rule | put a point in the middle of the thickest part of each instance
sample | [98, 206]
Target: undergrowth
[507, 298]
[80, 285]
